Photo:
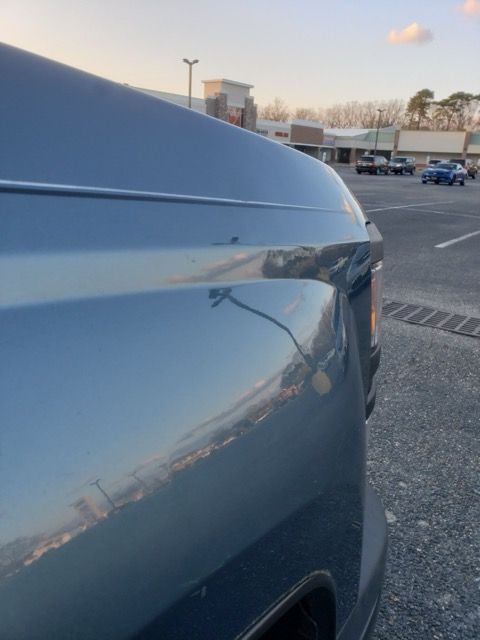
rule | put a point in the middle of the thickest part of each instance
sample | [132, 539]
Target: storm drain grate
[429, 317]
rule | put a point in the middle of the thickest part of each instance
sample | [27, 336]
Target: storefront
[231, 101]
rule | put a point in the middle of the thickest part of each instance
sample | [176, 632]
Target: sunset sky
[310, 52]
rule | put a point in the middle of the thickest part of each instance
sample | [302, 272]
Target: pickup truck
[190, 334]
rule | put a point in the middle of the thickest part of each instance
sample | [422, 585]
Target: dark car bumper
[443, 178]
[370, 169]
[361, 621]
[401, 169]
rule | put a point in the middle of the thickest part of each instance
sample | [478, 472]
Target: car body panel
[181, 330]
[108, 135]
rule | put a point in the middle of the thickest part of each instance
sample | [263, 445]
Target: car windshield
[367, 158]
[445, 165]
[399, 159]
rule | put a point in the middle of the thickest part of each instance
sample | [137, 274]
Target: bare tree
[394, 112]
[459, 111]
[305, 113]
[276, 110]
[362, 114]
[369, 118]
[343, 116]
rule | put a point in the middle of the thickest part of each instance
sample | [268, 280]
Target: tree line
[458, 111]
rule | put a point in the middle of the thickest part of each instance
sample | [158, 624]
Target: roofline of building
[233, 82]
[307, 123]
[166, 93]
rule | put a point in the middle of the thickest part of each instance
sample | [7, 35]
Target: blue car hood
[439, 171]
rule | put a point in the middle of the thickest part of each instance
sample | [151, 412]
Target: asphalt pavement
[424, 453]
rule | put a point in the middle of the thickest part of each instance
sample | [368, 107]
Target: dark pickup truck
[190, 334]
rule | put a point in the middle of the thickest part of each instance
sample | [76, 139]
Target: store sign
[234, 115]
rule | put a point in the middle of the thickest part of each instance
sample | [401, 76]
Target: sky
[310, 53]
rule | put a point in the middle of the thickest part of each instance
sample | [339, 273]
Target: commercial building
[226, 100]
[423, 145]
[303, 135]
[231, 101]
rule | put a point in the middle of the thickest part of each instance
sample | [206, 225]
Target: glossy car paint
[445, 172]
[185, 338]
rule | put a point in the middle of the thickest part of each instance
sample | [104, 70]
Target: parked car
[372, 164]
[468, 165]
[401, 165]
[449, 172]
[432, 163]
[189, 359]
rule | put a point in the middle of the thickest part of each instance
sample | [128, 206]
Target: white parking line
[455, 240]
[448, 213]
[408, 206]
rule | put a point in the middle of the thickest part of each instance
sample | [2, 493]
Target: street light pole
[380, 111]
[190, 65]
[96, 483]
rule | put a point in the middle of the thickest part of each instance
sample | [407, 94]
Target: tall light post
[190, 65]
[96, 483]
[380, 111]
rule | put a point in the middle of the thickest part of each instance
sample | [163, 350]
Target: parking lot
[424, 451]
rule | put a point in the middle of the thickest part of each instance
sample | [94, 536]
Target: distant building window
[262, 132]
[281, 134]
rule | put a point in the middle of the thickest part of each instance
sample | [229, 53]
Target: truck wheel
[462, 183]
[424, 181]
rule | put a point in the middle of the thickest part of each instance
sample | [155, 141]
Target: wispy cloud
[413, 34]
[470, 8]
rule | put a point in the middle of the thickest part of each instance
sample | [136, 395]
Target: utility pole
[380, 111]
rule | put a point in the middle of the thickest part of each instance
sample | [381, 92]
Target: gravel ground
[424, 462]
